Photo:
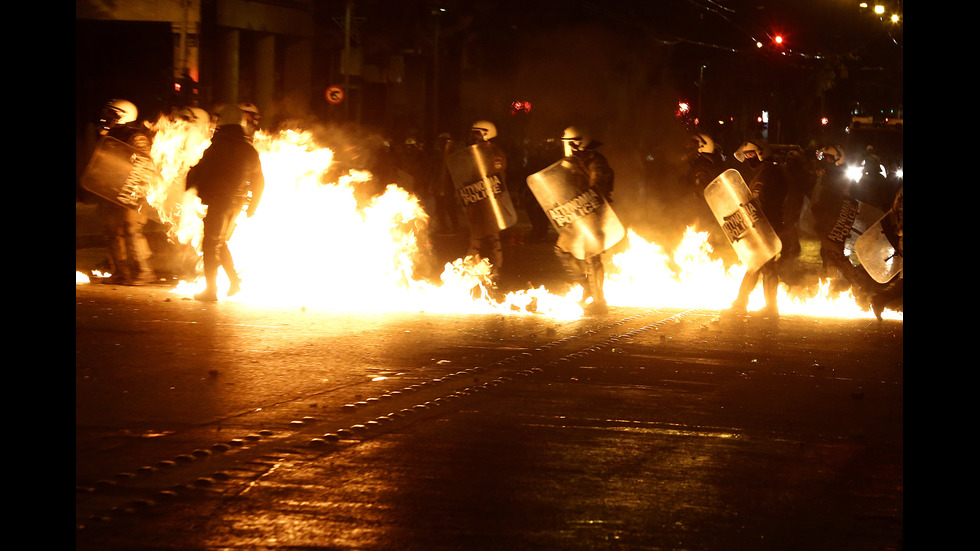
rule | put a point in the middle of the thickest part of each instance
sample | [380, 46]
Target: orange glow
[312, 244]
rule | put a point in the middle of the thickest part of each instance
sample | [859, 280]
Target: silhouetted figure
[228, 176]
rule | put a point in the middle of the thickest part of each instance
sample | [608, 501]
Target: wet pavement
[230, 426]
[222, 426]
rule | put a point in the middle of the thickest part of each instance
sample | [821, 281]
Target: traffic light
[777, 40]
[520, 107]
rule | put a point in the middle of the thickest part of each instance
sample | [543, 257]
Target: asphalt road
[224, 426]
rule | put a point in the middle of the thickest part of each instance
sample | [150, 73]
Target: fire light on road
[316, 243]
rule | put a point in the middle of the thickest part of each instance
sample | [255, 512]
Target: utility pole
[700, 91]
[435, 74]
[347, 57]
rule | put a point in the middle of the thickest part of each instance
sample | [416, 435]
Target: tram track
[231, 465]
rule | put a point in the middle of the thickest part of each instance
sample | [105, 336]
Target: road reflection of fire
[319, 244]
[693, 277]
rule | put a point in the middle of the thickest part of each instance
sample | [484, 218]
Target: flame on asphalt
[317, 244]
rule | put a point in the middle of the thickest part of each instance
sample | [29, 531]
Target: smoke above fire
[337, 229]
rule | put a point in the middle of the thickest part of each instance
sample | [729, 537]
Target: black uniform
[833, 211]
[795, 171]
[446, 216]
[129, 251]
[703, 169]
[894, 227]
[590, 272]
[488, 245]
[227, 174]
[540, 158]
[766, 181]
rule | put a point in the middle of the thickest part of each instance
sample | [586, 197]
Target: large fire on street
[320, 244]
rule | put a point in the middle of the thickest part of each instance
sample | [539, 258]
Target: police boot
[119, 277]
[769, 312]
[210, 292]
[737, 309]
[598, 304]
[770, 288]
[740, 306]
[236, 284]
[892, 293]
[598, 280]
[145, 277]
[586, 291]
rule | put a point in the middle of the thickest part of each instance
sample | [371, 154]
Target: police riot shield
[742, 220]
[481, 189]
[587, 226]
[877, 254]
[839, 221]
[867, 216]
[120, 173]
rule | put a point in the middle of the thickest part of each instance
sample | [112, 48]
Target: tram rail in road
[353, 414]
[693, 405]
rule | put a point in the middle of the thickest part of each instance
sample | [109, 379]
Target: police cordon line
[575, 193]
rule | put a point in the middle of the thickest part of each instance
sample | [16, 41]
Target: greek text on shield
[742, 220]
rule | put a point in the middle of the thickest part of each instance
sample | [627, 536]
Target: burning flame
[314, 243]
[644, 275]
[177, 146]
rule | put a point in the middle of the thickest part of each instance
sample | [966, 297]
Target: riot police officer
[486, 243]
[705, 161]
[767, 184]
[228, 175]
[834, 206]
[199, 130]
[894, 227]
[128, 250]
[704, 165]
[446, 209]
[251, 118]
[580, 150]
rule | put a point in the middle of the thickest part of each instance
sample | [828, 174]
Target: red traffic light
[520, 107]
